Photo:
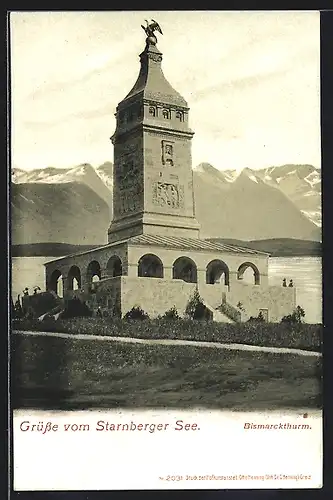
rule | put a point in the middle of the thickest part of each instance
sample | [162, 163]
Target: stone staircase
[218, 315]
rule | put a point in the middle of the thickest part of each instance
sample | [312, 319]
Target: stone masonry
[154, 257]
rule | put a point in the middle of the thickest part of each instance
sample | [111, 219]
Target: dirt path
[131, 340]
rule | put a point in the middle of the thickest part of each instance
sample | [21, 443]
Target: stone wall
[279, 301]
[154, 295]
[107, 297]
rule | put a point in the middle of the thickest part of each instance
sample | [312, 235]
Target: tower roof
[151, 83]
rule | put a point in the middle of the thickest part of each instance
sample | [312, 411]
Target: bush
[75, 308]
[171, 314]
[195, 308]
[299, 336]
[136, 313]
[295, 318]
[257, 319]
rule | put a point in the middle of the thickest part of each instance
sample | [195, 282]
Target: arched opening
[166, 114]
[93, 271]
[152, 110]
[56, 284]
[114, 267]
[74, 278]
[185, 269]
[150, 266]
[217, 271]
[180, 116]
[249, 273]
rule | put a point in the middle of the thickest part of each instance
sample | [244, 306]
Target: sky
[251, 79]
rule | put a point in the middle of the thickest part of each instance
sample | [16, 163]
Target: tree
[171, 314]
[296, 317]
[195, 308]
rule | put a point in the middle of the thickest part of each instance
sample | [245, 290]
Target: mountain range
[74, 205]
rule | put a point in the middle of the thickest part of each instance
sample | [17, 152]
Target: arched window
[56, 284]
[114, 267]
[217, 271]
[169, 162]
[185, 269]
[166, 114]
[152, 110]
[93, 271]
[74, 278]
[180, 116]
[249, 272]
[150, 266]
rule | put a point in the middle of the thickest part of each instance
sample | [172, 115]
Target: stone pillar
[65, 285]
[201, 279]
[233, 278]
[167, 272]
[48, 275]
[132, 270]
[264, 280]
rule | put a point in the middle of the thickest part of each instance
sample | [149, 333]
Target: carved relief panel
[168, 153]
[168, 195]
[128, 188]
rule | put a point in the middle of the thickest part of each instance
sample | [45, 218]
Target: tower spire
[152, 176]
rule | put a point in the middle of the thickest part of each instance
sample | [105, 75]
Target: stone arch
[56, 284]
[93, 271]
[151, 266]
[114, 266]
[246, 265]
[185, 269]
[217, 271]
[74, 278]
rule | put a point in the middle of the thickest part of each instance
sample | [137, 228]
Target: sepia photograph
[166, 249]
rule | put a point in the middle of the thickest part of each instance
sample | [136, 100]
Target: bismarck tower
[153, 184]
[154, 257]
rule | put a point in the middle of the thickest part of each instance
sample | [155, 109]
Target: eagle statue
[149, 30]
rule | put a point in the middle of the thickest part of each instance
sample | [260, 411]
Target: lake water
[306, 272]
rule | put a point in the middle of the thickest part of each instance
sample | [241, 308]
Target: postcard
[166, 298]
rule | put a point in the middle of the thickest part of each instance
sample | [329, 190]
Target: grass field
[56, 373]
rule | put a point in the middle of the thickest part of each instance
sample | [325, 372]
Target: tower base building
[155, 258]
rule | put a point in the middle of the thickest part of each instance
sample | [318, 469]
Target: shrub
[257, 319]
[171, 314]
[195, 308]
[136, 313]
[75, 308]
[295, 318]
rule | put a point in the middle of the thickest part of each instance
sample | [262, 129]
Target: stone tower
[152, 178]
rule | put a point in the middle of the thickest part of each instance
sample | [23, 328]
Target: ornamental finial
[149, 30]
